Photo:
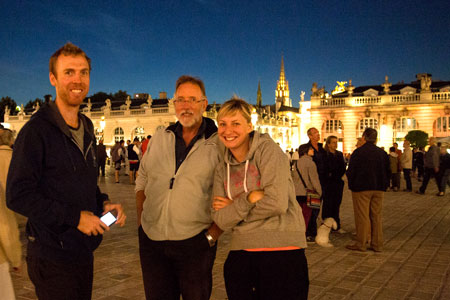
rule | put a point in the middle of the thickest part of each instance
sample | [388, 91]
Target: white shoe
[341, 231]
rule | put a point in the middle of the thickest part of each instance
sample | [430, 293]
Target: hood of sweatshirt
[257, 141]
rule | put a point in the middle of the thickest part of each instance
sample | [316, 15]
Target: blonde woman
[254, 197]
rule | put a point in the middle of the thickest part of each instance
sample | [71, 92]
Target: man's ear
[52, 79]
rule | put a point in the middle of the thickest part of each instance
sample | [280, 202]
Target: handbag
[312, 197]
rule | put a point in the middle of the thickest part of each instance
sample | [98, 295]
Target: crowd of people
[193, 181]
[128, 156]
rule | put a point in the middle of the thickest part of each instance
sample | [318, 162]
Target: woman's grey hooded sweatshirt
[274, 221]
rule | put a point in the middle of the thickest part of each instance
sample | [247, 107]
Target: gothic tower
[282, 91]
[259, 96]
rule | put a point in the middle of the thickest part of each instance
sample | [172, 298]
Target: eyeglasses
[189, 101]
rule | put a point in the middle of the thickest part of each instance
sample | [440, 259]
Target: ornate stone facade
[392, 109]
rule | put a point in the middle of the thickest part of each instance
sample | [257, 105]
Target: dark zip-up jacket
[369, 169]
[50, 181]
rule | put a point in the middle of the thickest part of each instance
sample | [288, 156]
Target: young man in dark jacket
[52, 181]
[368, 178]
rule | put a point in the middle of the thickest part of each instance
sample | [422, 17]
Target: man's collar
[179, 129]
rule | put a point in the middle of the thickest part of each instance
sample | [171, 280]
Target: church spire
[282, 76]
[259, 96]
[282, 91]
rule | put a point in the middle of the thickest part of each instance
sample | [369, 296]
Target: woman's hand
[255, 196]
[220, 202]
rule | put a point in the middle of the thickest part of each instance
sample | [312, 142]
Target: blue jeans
[171, 268]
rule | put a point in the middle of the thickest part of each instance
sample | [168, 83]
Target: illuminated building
[392, 109]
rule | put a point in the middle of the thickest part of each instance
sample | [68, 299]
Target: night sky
[229, 44]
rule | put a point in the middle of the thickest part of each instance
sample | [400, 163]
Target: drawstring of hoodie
[228, 179]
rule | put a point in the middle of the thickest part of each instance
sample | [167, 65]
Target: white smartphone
[108, 219]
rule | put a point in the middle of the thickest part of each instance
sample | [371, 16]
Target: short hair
[67, 49]
[392, 149]
[234, 105]
[328, 140]
[6, 137]
[136, 139]
[149, 136]
[191, 79]
[303, 149]
[310, 129]
[370, 135]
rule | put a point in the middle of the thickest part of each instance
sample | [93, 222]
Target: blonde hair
[234, 105]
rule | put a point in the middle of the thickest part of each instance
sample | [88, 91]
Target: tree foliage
[7, 102]
[99, 97]
[417, 138]
[120, 96]
[32, 104]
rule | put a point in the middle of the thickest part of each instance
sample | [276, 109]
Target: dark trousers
[407, 176]
[60, 281]
[266, 275]
[420, 171]
[395, 181]
[101, 167]
[445, 180]
[332, 199]
[306, 211]
[428, 173]
[171, 268]
[312, 224]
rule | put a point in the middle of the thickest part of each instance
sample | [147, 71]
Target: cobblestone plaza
[415, 263]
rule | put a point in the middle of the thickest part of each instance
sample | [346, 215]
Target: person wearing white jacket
[406, 162]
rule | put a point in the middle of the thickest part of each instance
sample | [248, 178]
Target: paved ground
[414, 265]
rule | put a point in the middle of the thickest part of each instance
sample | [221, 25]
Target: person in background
[368, 178]
[406, 161]
[306, 168]
[444, 170]
[10, 247]
[395, 175]
[254, 197]
[118, 156]
[101, 158]
[295, 157]
[419, 158]
[414, 163]
[144, 144]
[319, 159]
[431, 166]
[134, 152]
[334, 187]
[288, 155]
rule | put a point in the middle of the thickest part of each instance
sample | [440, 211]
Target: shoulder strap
[300, 176]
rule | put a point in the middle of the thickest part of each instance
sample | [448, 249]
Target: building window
[119, 134]
[443, 124]
[367, 123]
[405, 124]
[139, 132]
[333, 126]
[98, 134]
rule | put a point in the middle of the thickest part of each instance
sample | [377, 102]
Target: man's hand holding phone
[116, 210]
[90, 224]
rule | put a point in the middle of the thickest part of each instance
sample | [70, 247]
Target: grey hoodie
[274, 221]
